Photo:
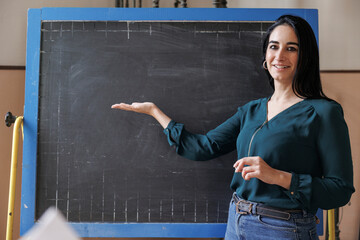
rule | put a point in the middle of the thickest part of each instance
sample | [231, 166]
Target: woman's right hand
[145, 107]
[148, 108]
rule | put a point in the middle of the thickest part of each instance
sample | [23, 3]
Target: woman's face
[282, 54]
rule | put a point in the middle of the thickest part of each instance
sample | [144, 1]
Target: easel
[18, 122]
[9, 120]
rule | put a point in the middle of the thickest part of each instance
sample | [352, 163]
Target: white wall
[339, 29]
[339, 25]
[13, 23]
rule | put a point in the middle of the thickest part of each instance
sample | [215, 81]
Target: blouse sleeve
[335, 187]
[216, 142]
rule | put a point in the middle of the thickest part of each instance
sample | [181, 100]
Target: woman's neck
[284, 93]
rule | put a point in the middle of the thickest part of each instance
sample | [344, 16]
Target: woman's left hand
[256, 167]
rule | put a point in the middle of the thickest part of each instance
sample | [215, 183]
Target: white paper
[51, 226]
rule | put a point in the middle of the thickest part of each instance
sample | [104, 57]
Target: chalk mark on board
[114, 215]
[79, 211]
[103, 196]
[126, 211]
[106, 30]
[207, 210]
[68, 195]
[160, 209]
[184, 211]
[218, 212]
[149, 213]
[128, 30]
[61, 31]
[137, 207]
[57, 146]
[91, 201]
[172, 202]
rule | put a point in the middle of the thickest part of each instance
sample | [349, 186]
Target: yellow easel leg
[331, 224]
[15, 142]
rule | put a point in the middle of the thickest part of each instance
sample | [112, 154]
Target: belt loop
[304, 213]
[254, 206]
[237, 207]
[251, 208]
[234, 197]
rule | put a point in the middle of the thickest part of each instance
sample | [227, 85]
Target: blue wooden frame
[35, 17]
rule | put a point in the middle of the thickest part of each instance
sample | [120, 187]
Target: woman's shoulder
[325, 107]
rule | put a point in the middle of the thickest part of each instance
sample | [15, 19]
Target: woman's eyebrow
[272, 41]
[293, 43]
[288, 43]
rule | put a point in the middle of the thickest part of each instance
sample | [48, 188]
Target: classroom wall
[13, 23]
[343, 87]
[12, 88]
[338, 25]
[339, 34]
[339, 50]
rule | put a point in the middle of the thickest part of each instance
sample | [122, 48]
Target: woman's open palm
[145, 107]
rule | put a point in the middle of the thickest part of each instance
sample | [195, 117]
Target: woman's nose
[280, 55]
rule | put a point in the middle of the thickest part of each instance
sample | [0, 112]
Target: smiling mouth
[281, 67]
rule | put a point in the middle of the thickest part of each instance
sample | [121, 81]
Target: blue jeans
[300, 226]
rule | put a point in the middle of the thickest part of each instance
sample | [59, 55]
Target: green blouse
[309, 139]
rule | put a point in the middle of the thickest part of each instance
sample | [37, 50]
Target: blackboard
[99, 165]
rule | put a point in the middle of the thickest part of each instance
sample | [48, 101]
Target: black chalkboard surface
[97, 164]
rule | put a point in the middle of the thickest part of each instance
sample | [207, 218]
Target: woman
[293, 147]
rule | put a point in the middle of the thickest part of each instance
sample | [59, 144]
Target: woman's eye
[273, 47]
[292, 49]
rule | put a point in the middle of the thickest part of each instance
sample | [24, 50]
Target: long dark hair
[306, 82]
